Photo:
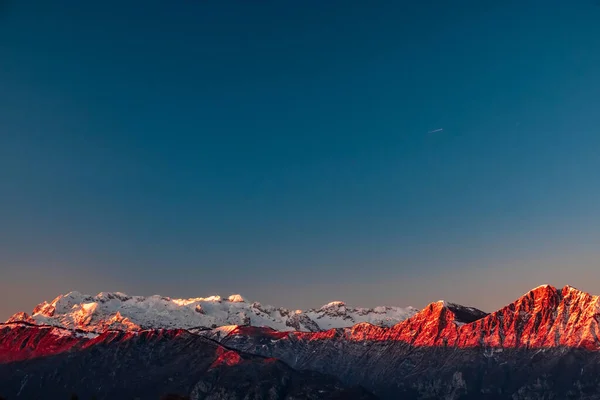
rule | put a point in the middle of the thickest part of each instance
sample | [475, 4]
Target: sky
[285, 150]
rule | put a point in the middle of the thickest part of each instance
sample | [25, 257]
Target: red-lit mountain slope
[48, 362]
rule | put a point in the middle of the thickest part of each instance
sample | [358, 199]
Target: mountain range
[544, 345]
[120, 311]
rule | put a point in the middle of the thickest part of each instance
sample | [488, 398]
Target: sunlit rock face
[21, 317]
[19, 341]
[544, 317]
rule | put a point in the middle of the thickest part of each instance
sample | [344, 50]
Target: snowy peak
[333, 305]
[115, 310]
[338, 315]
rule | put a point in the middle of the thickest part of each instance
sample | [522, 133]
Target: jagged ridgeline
[544, 345]
[120, 311]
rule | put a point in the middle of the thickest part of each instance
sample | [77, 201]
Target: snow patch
[334, 304]
[236, 298]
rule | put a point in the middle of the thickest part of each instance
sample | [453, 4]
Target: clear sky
[280, 149]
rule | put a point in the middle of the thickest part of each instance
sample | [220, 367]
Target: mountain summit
[543, 317]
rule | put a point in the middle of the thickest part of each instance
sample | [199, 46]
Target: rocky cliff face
[544, 317]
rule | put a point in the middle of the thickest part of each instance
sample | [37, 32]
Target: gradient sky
[280, 149]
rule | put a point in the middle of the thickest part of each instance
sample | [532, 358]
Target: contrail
[436, 130]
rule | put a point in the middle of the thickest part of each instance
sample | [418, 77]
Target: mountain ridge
[543, 317]
[115, 310]
[545, 344]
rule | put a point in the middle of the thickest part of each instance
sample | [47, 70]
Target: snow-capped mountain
[133, 313]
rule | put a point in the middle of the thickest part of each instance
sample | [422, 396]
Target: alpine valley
[544, 345]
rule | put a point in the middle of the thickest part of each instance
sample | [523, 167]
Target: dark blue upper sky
[280, 149]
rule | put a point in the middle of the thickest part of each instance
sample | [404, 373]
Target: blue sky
[281, 150]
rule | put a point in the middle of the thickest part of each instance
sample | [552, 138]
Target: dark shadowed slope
[54, 363]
